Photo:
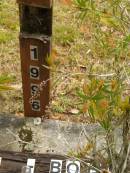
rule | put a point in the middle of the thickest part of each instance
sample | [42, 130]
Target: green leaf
[106, 90]
[98, 97]
[81, 95]
[5, 88]
[4, 79]
[105, 124]
[91, 111]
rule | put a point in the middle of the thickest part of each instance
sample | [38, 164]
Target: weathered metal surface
[38, 3]
[34, 20]
[12, 162]
[35, 48]
[34, 51]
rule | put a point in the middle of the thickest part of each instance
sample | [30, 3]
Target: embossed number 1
[35, 75]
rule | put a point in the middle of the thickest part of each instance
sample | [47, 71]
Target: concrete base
[49, 136]
[17, 134]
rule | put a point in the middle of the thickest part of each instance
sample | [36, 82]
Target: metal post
[35, 47]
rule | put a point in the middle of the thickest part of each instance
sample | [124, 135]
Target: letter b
[55, 166]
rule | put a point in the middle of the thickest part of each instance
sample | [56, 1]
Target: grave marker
[35, 47]
[36, 163]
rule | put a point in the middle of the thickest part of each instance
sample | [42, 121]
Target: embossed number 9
[34, 72]
[34, 88]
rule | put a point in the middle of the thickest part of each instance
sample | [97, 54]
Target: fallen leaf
[74, 111]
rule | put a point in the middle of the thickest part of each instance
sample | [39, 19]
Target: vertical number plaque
[35, 47]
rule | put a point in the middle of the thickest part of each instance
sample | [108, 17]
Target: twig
[13, 134]
[110, 153]
[1, 146]
[128, 79]
[74, 74]
[126, 145]
[125, 161]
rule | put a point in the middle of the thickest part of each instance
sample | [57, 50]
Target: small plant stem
[125, 146]
[125, 162]
[110, 151]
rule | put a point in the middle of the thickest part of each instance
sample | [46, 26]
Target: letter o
[76, 168]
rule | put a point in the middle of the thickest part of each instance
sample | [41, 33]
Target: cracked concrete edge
[17, 122]
[49, 135]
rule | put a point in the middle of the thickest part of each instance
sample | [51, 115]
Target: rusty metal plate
[13, 162]
[37, 3]
[34, 50]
